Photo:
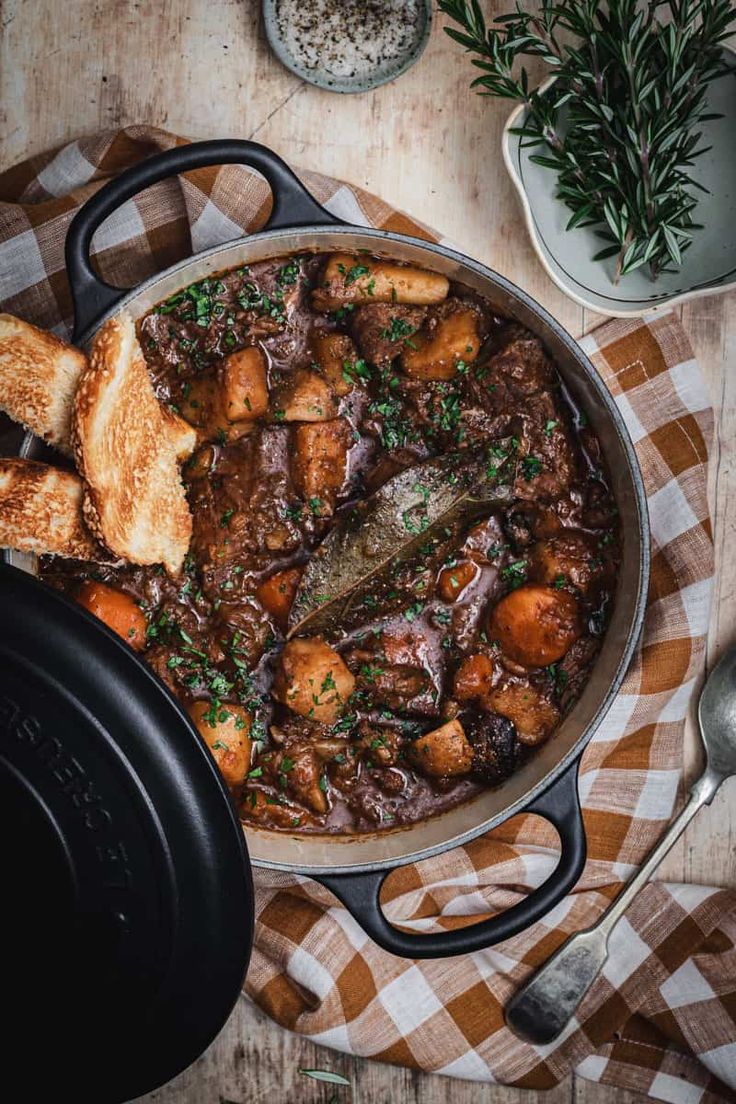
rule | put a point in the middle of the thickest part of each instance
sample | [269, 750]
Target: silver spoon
[542, 1008]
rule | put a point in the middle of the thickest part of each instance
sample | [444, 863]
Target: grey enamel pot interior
[355, 866]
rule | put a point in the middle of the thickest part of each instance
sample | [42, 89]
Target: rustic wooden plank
[591, 1092]
[253, 1061]
[707, 852]
[431, 147]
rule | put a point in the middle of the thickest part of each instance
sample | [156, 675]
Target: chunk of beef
[382, 330]
[518, 367]
[380, 744]
[570, 558]
[549, 460]
[572, 671]
[242, 510]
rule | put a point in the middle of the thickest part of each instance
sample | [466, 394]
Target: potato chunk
[444, 752]
[225, 729]
[453, 580]
[117, 609]
[473, 678]
[332, 351]
[312, 680]
[307, 397]
[226, 401]
[320, 462]
[436, 351]
[533, 715]
[276, 593]
[535, 625]
[351, 279]
[245, 385]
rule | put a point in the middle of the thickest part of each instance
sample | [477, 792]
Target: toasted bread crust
[41, 511]
[183, 435]
[126, 446]
[38, 378]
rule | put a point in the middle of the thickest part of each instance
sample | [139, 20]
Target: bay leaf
[389, 527]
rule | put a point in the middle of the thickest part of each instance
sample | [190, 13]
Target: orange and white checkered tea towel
[662, 1017]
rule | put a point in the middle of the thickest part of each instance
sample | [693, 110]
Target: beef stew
[314, 382]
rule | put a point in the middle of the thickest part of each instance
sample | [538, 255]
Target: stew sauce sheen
[312, 381]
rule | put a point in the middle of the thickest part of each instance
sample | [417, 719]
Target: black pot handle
[292, 206]
[560, 805]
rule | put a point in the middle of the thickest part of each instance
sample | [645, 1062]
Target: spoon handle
[542, 1008]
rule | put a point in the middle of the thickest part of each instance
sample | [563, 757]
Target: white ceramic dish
[709, 266]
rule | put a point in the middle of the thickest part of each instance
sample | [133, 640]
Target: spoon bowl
[717, 716]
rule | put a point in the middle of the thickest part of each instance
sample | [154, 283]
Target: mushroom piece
[533, 715]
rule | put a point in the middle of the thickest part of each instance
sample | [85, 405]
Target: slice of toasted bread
[126, 446]
[38, 377]
[41, 511]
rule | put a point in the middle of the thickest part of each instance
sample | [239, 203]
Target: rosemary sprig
[620, 123]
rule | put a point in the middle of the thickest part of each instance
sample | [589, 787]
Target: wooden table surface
[201, 68]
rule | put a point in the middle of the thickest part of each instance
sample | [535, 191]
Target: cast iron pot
[354, 867]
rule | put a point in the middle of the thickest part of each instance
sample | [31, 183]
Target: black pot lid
[127, 901]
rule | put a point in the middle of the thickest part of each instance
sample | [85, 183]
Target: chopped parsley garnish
[399, 330]
[370, 672]
[289, 274]
[515, 573]
[358, 369]
[328, 683]
[531, 466]
[339, 314]
[355, 273]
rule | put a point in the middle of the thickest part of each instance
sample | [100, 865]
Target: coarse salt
[347, 38]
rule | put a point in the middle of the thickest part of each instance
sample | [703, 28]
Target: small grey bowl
[709, 265]
[383, 73]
